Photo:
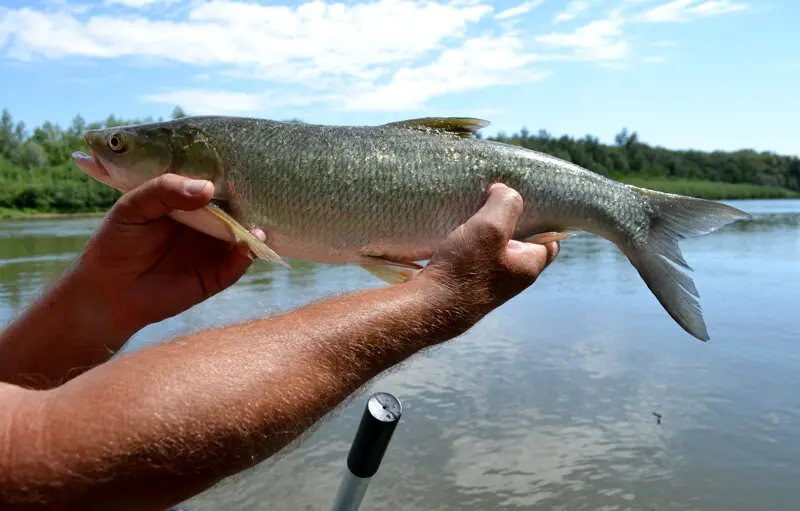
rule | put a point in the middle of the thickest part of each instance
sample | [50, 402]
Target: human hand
[148, 267]
[479, 266]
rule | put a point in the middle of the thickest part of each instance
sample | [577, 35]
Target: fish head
[125, 157]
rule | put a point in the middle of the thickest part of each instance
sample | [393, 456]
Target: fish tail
[659, 260]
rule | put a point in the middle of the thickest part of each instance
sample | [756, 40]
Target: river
[549, 402]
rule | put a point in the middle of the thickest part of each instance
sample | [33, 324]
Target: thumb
[158, 197]
[494, 223]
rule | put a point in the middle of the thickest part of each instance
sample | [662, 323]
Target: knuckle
[513, 199]
[123, 211]
[124, 203]
[490, 231]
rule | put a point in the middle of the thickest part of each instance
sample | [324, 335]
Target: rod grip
[380, 418]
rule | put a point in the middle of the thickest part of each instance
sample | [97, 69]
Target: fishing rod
[378, 422]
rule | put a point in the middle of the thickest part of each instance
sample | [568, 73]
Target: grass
[713, 190]
[29, 213]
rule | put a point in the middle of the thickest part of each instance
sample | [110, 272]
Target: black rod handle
[381, 415]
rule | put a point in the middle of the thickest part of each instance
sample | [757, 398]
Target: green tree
[178, 113]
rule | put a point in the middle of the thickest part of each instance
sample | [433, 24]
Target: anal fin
[547, 237]
[240, 234]
[391, 272]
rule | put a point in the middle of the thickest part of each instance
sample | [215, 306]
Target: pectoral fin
[546, 237]
[240, 234]
[391, 272]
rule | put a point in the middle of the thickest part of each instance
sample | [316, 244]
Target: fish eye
[116, 143]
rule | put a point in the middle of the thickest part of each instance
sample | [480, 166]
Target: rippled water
[549, 402]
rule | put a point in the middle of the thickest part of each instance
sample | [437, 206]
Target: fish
[384, 196]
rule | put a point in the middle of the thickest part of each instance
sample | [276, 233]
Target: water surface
[548, 403]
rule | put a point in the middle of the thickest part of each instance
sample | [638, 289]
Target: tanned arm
[63, 333]
[157, 426]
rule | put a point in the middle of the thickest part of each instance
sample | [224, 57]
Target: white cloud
[138, 4]
[598, 40]
[667, 12]
[277, 40]
[479, 63]
[683, 10]
[200, 101]
[573, 9]
[55, 35]
[603, 40]
[376, 55]
[518, 10]
[206, 101]
[354, 55]
[717, 7]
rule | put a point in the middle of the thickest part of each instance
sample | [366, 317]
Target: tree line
[36, 169]
[630, 158]
[37, 174]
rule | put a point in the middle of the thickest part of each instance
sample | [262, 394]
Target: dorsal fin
[462, 126]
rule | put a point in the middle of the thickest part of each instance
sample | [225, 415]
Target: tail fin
[677, 217]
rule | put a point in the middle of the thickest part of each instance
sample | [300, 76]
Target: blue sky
[704, 74]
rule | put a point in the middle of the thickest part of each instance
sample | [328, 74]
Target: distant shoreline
[13, 214]
[712, 190]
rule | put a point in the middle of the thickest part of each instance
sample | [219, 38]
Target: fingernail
[258, 233]
[196, 186]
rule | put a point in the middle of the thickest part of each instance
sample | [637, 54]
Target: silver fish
[384, 196]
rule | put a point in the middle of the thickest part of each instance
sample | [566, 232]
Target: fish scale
[391, 181]
[385, 196]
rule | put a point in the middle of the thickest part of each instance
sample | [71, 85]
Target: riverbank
[30, 214]
[713, 190]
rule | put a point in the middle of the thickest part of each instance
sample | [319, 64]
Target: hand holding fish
[479, 262]
[141, 267]
[150, 267]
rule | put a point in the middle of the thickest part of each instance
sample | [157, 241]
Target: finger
[216, 263]
[233, 266]
[160, 196]
[494, 223]
[530, 259]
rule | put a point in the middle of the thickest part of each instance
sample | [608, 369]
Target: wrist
[455, 307]
[91, 306]
[66, 331]
[467, 292]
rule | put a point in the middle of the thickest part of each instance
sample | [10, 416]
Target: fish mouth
[92, 166]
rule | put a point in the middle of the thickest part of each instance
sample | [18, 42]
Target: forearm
[180, 416]
[63, 333]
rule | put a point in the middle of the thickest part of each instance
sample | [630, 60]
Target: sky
[701, 74]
